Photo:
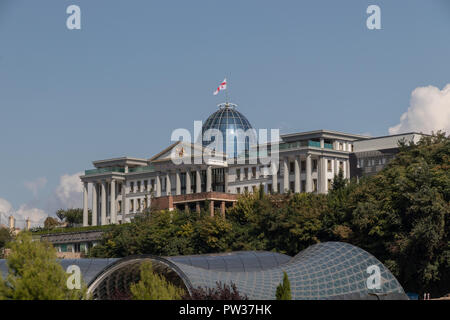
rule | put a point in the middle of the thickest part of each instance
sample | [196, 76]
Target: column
[347, 169]
[208, 179]
[168, 184]
[113, 210]
[225, 173]
[103, 204]
[222, 209]
[188, 181]
[198, 181]
[336, 170]
[211, 208]
[322, 143]
[308, 173]
[274, 169]
[177, 183]
[158, 185]
[94, 203]
[323, 175]
[297, 174]
[85, 205]
[124, 201]
[285, 175]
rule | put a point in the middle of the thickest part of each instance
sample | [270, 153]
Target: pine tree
[284, 289]
[35, 274]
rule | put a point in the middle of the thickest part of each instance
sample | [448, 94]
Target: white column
[188, 181]
[124, 201]
[225, 173]
[158, 185]
[323, 176]
[208, 179]
[168, 184]
[198, 181]
[308, 173]
[347, 169]
[177, 183]
[297, 174]
[113, 210]
[103, 204]
[94, 203]
[336, 170]
[274, 171]
[285, 176]
[322, 143]
[85, 205]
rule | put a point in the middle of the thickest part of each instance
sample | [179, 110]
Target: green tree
[72, 216]
[284, 289]
[5, 237]
[50, 223]
[35, 274]
[153, 286]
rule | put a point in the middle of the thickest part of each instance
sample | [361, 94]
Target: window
[291, 167]
[119, 206]
[131, 186]
[138, 186]
[238, 190]
[351, 147]
[138, 205]
[269, 187]
[329, 165]
[145, 185]
[119, 188]
[254, 189]
[238, 174]
[329, 184]
[246, 189]
[303, 185]
[341, 165]
[131, 205]
[303, 164]
[314, 185]
[314, 162]
[246, 173]
[292, 186]
[152, 183]
[254, 172]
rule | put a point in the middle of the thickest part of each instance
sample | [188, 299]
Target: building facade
[306, 162]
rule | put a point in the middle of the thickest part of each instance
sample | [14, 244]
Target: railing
[103, 170]
[150, 168]
[328, 145]
[314, 143]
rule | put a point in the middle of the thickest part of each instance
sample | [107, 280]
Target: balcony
[103, 170]
[150, 168]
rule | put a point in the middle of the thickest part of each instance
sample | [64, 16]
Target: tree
[35, 274]
[153, 286]
[220, 292]
[5, 237]
[50, 223]
[284, 289]
[72, 216]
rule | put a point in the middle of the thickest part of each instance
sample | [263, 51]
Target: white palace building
[306, 162]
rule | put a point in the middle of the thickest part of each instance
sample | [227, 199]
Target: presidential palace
[306, 162]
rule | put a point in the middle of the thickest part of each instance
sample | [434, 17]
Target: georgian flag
[222, 86]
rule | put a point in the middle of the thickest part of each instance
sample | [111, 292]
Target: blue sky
[139, 69]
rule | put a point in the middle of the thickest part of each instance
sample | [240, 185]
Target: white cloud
[429, 111]
[35, 185]
[70, 191]
[36, 216]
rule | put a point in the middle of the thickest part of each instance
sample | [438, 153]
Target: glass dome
[227, 117]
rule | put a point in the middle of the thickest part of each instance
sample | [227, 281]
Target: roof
[329, 270]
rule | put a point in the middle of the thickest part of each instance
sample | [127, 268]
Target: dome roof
[227, 117]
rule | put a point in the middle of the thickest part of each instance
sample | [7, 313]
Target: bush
[220, 292]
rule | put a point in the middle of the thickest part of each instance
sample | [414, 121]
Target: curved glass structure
[329, 270]
[228, 118]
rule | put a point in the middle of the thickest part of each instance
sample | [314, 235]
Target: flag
[222, 86]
